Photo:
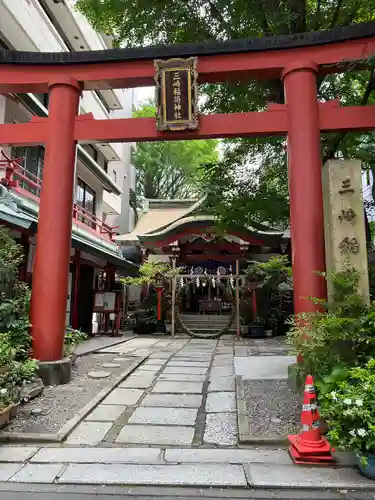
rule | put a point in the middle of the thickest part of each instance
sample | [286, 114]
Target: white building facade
[104, 176]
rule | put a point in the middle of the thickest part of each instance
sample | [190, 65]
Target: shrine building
[186, 229]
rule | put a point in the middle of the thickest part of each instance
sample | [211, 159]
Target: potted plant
[146, 321]
[262, 280]
[155, 275]
[72, 339]
[257, 328]
[349, 411]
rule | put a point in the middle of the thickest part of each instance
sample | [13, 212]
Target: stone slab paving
[171, 475]
[156, 434]
[221, 371]
[261, 368]
[105, 413]
[187, 369]
[230, 456]
[221, 402]
[222, 384]
[37, 473]
[164, 416]
[89, 433]
[173, 400]
[178, 387]
[289, 476]
[179, 377]
[16, 453]
[252, 467]
[137, 382]
[98, 455]
[123, 397]
[183, 395]
[8, 470]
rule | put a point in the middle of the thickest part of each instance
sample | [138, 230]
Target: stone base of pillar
[56, 372]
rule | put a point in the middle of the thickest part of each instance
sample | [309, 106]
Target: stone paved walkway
[172, 422]
[183, 395]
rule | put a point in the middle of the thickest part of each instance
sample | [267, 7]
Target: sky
[142, 94]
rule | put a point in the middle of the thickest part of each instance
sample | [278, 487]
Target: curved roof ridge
[255, 44]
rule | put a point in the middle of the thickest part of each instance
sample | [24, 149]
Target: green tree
[171, 169]
[253, 172]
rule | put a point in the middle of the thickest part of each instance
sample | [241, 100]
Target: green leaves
[346, 404]
[331, 342]
[171, 169]
[250, 182]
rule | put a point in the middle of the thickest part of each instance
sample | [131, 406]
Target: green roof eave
[16, 219]
[268, 236]
[87, 241]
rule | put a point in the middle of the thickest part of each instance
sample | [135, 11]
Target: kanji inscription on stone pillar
[344, 222]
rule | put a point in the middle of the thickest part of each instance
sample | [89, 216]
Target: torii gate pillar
[305, 184]
[51, 267]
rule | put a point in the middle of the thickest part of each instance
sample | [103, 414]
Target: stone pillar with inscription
[344, 224]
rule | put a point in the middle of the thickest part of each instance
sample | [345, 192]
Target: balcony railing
[17, 177]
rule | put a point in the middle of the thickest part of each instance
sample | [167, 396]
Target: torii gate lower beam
[273, 122]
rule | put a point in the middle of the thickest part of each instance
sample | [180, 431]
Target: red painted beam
[266, 123]
[254, 124]
[129, 74]
[350, 118]
[23, 133]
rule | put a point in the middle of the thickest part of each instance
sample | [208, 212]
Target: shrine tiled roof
[160, 214]
[164, 218]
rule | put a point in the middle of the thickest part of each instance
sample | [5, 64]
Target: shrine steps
[208, 322]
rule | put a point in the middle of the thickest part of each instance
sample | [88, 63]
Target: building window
[105, 165]
[114, 175]
[86, 199]
[32, 160]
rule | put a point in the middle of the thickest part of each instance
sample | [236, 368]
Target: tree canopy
[250, 183]
[171, 169]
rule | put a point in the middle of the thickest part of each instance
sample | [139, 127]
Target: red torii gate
[297, 59]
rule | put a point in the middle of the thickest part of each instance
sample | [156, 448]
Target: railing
[16, 173]
[16, 176]
[80, 214]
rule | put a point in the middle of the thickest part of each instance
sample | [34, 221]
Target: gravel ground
[59, 404]
[273, 410]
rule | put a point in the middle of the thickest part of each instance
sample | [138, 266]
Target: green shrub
[347, 404]
[16, 367]
[72, 339]
[14, 297]
[340, 337]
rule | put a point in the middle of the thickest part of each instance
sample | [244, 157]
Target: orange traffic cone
[310, 447]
